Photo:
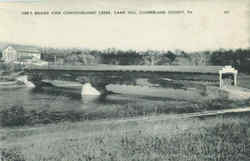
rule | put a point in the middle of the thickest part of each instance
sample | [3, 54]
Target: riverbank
[215, 138]
[116, 131]
[18, 115]
[141, 101]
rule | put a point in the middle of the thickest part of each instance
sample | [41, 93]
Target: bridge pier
[88, 89]
[92, 85]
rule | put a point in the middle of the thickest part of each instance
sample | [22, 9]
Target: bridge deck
[129, 68]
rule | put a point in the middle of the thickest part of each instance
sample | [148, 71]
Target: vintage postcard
[107, 80]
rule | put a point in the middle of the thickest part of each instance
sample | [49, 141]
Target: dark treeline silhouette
[239, 58]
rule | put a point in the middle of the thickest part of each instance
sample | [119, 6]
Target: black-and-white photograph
[108, 80]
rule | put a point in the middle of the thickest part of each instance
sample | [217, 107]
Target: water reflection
[90, 99]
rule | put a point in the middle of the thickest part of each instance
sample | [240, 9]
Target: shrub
[11, 155]
[14, 116]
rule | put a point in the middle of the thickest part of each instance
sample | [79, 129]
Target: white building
[20, 54]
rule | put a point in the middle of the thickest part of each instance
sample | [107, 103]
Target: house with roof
[20, 54]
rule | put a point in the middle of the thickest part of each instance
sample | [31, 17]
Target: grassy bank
[224, 138]
[19, 116]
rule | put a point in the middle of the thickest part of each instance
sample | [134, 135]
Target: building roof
[30, 49]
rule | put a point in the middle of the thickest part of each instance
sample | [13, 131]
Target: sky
[207, 28]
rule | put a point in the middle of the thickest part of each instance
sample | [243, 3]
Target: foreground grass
[218, 138]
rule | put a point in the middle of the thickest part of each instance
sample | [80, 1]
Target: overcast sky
[208, 28]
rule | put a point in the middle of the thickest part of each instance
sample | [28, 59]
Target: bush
[14, 116]
[11, 155]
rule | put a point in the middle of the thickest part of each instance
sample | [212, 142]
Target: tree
[171, 56]
[72, 58]
[150, 57]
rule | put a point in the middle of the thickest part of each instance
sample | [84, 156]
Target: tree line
[240, 58]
